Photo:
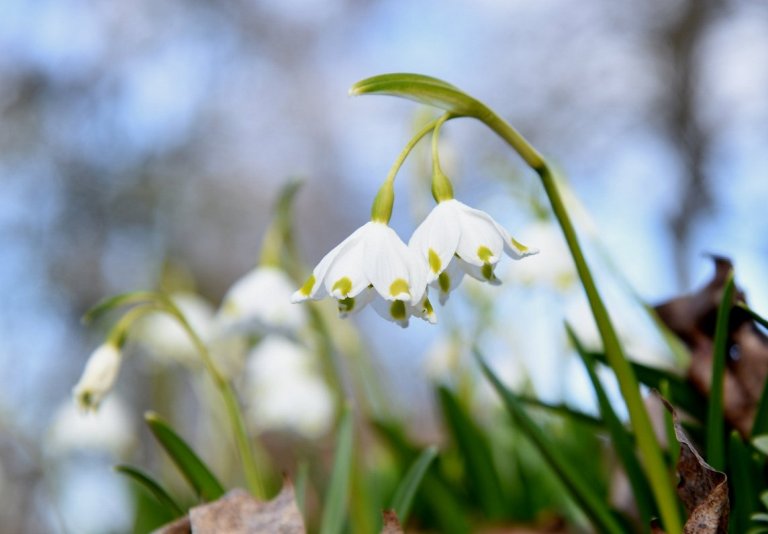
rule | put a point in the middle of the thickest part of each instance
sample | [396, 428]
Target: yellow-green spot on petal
[518, 245]
[487, 270]
[444, 281]
[306, 289]
[434, 261]
[397, 310]
[398, 287]
[346, 305]
[428, 309]
[343, 285]
[484, 253]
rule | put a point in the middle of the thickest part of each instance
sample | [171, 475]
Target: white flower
[110, 429]
[455, 239]
[372, 262]
[167, 339]
[285, 389]
[98, 376]
[259, 301]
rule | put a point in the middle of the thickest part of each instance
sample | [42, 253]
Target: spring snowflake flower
[98, 376]
[259, 301]
[372, 265]
[455, 239]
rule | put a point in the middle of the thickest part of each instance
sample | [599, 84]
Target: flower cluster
[373, 265]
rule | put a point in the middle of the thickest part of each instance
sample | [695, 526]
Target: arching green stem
[442, 189]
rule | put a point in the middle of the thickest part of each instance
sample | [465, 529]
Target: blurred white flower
[372, 261]
[441, 362]
[553, 266]
[455, 234]
[260, 302]
[109, 429]
[164, 336]
[98, 376]
[285, 389]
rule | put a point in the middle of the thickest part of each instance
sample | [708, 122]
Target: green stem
[650, 450]
[256, 484]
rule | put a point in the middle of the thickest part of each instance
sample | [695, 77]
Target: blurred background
[142, 137]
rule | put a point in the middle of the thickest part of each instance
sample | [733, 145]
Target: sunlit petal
[436, 238]
[389, 264]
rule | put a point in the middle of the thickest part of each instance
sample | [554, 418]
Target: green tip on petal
[484, 253]
[434, 261]
[518, 245]
[399, 287]
[343, 285]
[487, 271]
[397, 310]
[346, 306]
[306, 289]
[444, 281]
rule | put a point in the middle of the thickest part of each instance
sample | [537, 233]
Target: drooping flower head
[373, 265]
[98, 376]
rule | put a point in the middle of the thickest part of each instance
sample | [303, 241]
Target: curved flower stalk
[98, 376]
[455, 235]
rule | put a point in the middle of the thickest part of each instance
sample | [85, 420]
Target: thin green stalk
[256, 484]
[641, 423]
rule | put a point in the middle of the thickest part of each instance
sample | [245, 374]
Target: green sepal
[197, 474]
[381, 210]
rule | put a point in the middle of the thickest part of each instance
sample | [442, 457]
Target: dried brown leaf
[391, 523]
[702, 489]
[693, 318]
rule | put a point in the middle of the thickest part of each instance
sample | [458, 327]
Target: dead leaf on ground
[702, 489]
[238, 512]
[391, 523]
[693, 319]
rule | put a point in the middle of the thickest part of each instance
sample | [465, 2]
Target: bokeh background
[140, 135]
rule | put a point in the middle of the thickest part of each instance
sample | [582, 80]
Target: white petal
[512, 246]
[436, 238]
[483, 273]
[391, 266]
[448, 280]
[392, 310]
[345, 277]
[480, 240]
[353, 305]
[314, 287]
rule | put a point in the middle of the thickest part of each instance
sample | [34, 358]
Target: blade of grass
[622, 442]
[594, 506]
[476, 453]
[715, 417]
[152, 487]
[337, 498]
[406, 490]
[742, 484]
[197, 474]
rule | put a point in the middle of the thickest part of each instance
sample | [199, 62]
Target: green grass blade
[715, 413]
[406, 490]
[337, 498]
[742, 483]
[154, 489]
[622, 441]
[760, 424]
[593, 505]
[197, 474]
[480, 470]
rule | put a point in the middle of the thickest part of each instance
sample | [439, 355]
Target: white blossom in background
[455, 239]
[98, 377]
[108, 430]
[285, 390]
[553, 266]
[260, 302]
[372, 265]
[165, 338]
[442, 360]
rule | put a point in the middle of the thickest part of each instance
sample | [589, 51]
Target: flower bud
[98, 376]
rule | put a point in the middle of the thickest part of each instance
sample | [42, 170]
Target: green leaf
[423, 89]
[154, 489]
[116, 301]
[741, 479]
[715, 412]
[593, 505]
[622, 441]
[200, 478]
[476, 453]
[406, 490]
[337, 498]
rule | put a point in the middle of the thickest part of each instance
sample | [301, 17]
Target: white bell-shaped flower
[259, 302]
[372, 265]
[455, 235]
[98, 376]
